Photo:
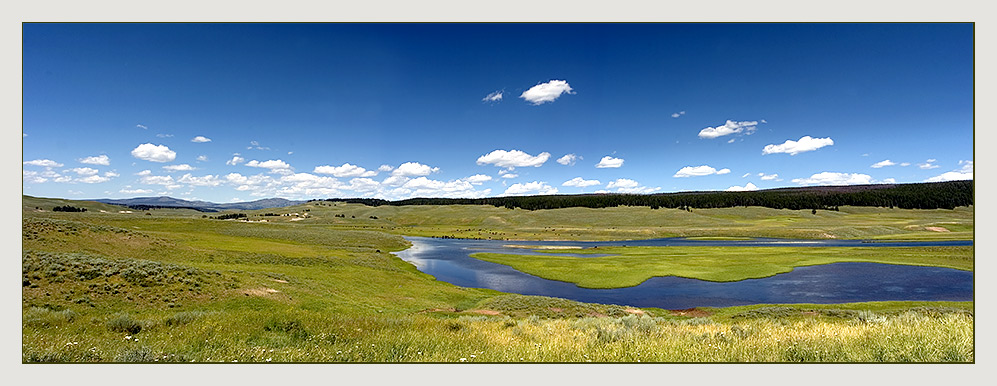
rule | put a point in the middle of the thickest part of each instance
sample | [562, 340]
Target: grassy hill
[307, 285]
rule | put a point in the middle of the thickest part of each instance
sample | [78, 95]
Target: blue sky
[237, 112]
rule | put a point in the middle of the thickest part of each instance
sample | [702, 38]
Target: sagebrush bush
[124, 323]
[45, 317]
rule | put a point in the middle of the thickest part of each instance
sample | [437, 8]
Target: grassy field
[630, 266]
[173, 286]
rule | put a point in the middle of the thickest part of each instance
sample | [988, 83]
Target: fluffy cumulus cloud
[84, 171]
[513, 158]
[581, 182]
[745, 188]
[235, 160]
[179, 168]
[963, 173]
[200, 139]
[546, 92]
[413, 169]
[94, 179]
[728, 128]
[805, 144]
[882, 163]
[208, 180]
[275, 166]
[43, 162]
[833, 178]
[478, 179]
[346, 170]
[568, 159]
[385, 168]
[697, 171]
[154, 153]
[609, 162]
[769, 177]
[96, 160]
[493, 97]
[530, 188]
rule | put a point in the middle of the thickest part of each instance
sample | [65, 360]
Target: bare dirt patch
[486, 312]
[634, 311]
[279, 281]
[691, 312]
[936, 229]
[262, 291]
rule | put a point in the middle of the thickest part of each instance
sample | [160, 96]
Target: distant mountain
[170, 202]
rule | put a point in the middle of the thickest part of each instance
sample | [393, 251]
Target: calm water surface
[448, 260]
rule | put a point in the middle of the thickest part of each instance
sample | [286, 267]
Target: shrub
[182, 318]
[136, 354]
[122, 322]
[290, 327]
[46, 317]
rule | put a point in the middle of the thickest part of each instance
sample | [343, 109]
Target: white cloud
[157, 180]
[626, 185]
[964, 173]
[363, 185]
[546, 92]
[508, 175]
[161, 135]
[806, 143]
[413, 169]
[43, 162]
[84, 171]
[395, 180]
[728, 128]
[889, 181]
[905, 164]
[929, 164]
[746, 187]
[177, 168]
[202, 158]
[32, 176]
[256, 145]
[385, 168]
[748, 174]
[146, 172]
[769, 177]
[535, 187]
[478, 179]
[208, 180]
[493, 97]
[154, 153]
[96, 160]
[142, 127]
[275, 166]
[833, 178]
[513, 158]
[568, 159]
[94, 179]
[200, 139]
[609, 162]
[111, 174]
[135, 191]
[346, 170]
[235, 160]
[696, 171]
[581, 183]
[883, 163]
[678, 114]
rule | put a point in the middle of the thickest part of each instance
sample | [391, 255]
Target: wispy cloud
[154, 153]
[626, 185]
[678, 114]
[43, 162]
[929, 164]
[728, 128]
[96, 160]
[200, 139]
[697, 171]
[253, 145]
[609, 162]
[493, 97]
[568, 159]
[882, 163]
[513, 159]
[805, 144]
[546, 92]
[202, 158]
[142, 127]
[769, 177]
[161, 135]
[581, 182]
[178, 168]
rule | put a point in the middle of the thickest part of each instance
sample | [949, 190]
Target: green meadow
[320, 285]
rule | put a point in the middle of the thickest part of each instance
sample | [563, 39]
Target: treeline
[147, 207]
[935, 195]
[229, 216]
[68, 208]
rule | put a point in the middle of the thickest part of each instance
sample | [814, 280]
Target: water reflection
[448, 260]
